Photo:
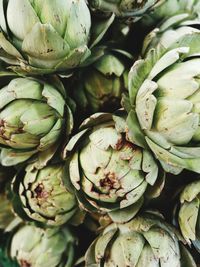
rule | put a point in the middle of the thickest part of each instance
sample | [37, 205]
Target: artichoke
[123, 8]
[189, 213]
[171, 30]
[44, 195]
[33, 116]
[163, 103]
[109, 174]
[168, 8]
[43, 247]
[100, 86]
[147, 240]
[56, 37]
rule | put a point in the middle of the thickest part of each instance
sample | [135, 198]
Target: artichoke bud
[102, 84]
[189, 214]
[167, 9]
[43, 247]
[166, 113]
[33, 115]
[110, 174]
[124, 8]
[147, 240]
[49, 41]
[44, 195]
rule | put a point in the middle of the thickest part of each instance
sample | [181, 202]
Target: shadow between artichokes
[109, 174]
[45, 196]
[34, 114]
[99, 87]
[57, 36]
[147, 240]
[6, 211]
[163, 103]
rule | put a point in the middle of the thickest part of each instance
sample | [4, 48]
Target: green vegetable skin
[147, 240]
[168, 8]
[164, 102]
[43, 247]
[100, 86]
[33, 115]
[109, 174]
[123, 8]
[55, 38]
[188, 214]
[44, 195]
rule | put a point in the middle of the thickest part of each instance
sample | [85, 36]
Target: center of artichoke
[40, 192]
[110, 181]
[24, 263]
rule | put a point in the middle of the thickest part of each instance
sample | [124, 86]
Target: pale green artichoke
[44, 195]
[168, 8]
[189, 214]
[123, 8]
[33, 116]
[38, 37]
[164, 98]
[147, 240]
[43, 247]
[171, 30]
[100, 86]
[109, 174]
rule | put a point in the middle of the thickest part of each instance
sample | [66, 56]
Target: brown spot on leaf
[24, 263]
[40, 192]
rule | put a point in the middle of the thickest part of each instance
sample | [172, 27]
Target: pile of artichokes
[99, 133]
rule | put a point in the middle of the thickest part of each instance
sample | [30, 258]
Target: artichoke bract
[109, 174]
[44, 195]
[33, 116]
[164, 102]
[168, 8]
[147, 240]
[123, 8]
[171, 30]
[189, 214]
[43, 247]
[56, 37]
[101, 85]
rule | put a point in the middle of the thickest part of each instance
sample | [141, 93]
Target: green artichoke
[33, 116]
[168, 8]
[56, 37]
[44, 195]
[109, 174]
[123, 8]
[100, 86]
[171, 30]
[147, 240]
[164, 102]
[39, 247]
[189, 213]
